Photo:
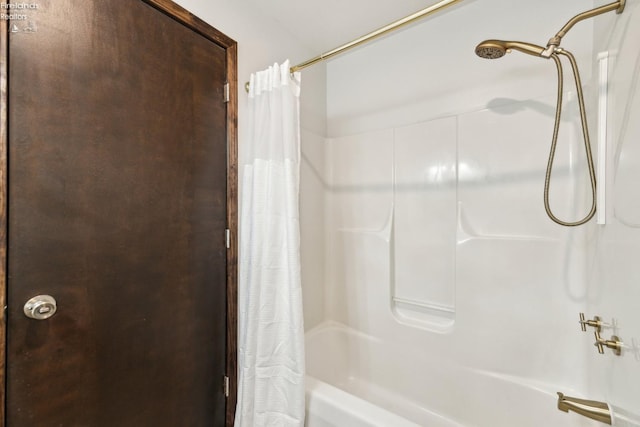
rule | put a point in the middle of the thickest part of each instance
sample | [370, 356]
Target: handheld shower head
[493, 49]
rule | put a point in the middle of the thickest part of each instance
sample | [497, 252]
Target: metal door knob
[41, 307]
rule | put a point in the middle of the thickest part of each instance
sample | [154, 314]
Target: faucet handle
[596, 322]
[614, 344]
[599, 342]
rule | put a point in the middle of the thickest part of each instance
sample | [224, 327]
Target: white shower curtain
[271, 332]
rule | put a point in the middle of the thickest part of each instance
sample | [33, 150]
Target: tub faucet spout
[598, 411]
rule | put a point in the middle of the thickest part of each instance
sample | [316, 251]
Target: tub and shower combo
[449, 296]
[355, 380]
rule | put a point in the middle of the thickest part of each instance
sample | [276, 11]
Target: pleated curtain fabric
[271, 332]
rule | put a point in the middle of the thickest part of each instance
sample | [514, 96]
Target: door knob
[41, 307]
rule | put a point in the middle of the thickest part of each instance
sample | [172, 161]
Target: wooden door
[118, 137]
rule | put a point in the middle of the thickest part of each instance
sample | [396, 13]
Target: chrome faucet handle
[596, 322]
[614, 344]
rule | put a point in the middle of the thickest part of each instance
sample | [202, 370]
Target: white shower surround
[519, 280]
[496, 342]
[384, 390]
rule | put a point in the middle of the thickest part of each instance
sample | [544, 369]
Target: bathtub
[328, 406]
[355, 380]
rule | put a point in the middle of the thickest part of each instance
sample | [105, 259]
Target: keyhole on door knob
[40, 307]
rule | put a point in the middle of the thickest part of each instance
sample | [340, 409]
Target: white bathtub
[358, 381]
[328, 406]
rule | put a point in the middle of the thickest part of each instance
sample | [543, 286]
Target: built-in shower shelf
[434, 317]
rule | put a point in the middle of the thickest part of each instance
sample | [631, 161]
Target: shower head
[493, 49]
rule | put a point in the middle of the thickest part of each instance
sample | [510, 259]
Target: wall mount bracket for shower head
[554, 42]
[620, 9]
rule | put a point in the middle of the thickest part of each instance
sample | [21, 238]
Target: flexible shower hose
[554, 141]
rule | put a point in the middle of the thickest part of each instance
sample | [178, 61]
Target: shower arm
[554, 42]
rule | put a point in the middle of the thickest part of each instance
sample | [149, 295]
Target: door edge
[4, 76]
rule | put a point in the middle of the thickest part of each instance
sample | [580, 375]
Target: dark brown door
[117, 209]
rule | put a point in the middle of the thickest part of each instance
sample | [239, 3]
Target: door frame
[197, 25]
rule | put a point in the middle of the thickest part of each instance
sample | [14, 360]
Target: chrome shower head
[493, 49]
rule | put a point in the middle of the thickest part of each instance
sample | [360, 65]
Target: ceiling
[324, 25]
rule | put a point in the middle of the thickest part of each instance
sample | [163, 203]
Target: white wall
[430, 70]
[313, 189]
[614, 276]
[261, 42]
[427, 139]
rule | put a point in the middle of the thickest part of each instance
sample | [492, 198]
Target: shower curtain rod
[372, 35]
